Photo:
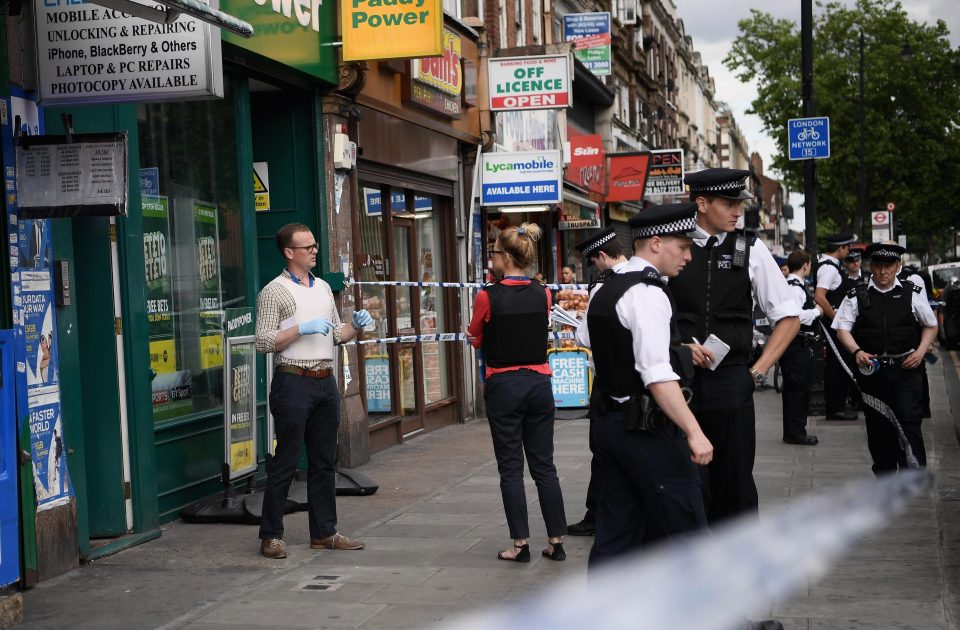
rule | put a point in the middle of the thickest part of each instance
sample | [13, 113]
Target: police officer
[647, 439]
[605, 252]
[714, 295]
[891, 322]
[796, 363]
[911, 273]
[832, 285]
[852, 263]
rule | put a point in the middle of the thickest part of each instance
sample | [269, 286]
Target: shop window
[193, 247]
[413, 253]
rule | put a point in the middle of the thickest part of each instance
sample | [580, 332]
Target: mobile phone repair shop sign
[91, 54]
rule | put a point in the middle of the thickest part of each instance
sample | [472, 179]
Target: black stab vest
[715, 296]
[808, 305]
[835, 296]
[612, 343]
[517, 331]
[885, 323]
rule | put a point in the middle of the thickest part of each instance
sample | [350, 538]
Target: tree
[912, 108]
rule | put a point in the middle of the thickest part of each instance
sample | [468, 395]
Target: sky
[713, 26]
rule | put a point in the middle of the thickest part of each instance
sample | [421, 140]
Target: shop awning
[569, 195]
[194, 8]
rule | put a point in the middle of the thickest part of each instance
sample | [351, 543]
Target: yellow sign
[261, 186]
[391, 29]
[211, 351]
[443, 73]
[241, 455]
[163, 356]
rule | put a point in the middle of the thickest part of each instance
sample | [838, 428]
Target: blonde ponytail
[518, 242]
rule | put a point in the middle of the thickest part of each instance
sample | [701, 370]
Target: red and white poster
[628, 176]
[586, 163]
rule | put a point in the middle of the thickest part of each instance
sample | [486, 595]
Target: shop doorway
[283, 148]
[409, 388]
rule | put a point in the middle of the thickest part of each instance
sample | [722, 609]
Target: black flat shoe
[805, 440]
[583, 528]
[522, 556]
[558, 553]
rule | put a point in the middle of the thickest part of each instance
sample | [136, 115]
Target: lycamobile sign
[524, 177]
[391, 29]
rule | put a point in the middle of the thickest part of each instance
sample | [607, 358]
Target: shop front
[417, 147]
[143, 407]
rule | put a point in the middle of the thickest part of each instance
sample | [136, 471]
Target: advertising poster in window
[156, 240]
[35, 299]
[208, 284]
[47, 452]
[240, 410]
[378, 383]
[571, 378]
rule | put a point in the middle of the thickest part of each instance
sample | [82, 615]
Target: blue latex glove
[314, 326]
[361, 319]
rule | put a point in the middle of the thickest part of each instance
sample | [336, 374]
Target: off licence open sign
[529, 82]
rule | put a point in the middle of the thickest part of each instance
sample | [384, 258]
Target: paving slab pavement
[434, 529]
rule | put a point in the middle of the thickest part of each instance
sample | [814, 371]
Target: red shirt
[481, 315]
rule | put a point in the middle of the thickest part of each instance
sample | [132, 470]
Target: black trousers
[836, 382]
[304, 409]
[902, 390]
[796, 366]
[521, 414]
[650, 487]
[593, 488]
[723, 404]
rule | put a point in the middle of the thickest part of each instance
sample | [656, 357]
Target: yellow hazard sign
[261, 186]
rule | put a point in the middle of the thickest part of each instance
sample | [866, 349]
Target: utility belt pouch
[644, 414]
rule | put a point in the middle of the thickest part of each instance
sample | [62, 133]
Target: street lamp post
[862, 182]
[809, 166]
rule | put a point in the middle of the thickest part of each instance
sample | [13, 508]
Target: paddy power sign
[391, 29]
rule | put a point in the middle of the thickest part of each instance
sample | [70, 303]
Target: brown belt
[291, 369]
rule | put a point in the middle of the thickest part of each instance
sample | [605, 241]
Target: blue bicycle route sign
[809, 138]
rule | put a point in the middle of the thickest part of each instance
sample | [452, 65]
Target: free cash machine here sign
[391, 29]
[521, 177]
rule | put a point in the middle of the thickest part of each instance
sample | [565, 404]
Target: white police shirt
[645, 311]
[850, 309]
[808, 316]
[828, 276]
[770, 289]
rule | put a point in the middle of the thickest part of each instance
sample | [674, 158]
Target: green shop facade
[140, 342]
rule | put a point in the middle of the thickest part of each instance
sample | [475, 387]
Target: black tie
[711, 242]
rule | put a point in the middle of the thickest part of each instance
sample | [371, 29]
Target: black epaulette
[795, 283]
[652, 276]
[861, 293]
[911, 286]
[852, 292]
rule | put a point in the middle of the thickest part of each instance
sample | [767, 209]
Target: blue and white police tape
[430, 337]
[711, 581]
[445, 285]
[876, 404]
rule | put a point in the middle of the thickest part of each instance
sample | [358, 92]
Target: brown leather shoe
[273, 548]
[337, 541]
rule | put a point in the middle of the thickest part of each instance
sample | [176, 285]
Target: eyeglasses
[491, 252]
[314, 247]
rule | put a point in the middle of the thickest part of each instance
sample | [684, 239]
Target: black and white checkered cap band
[846, 241]
[600, 242]
[680, 226]
[884, 253]
[734, 186]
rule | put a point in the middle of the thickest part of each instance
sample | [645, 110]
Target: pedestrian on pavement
[648, 442]
[832, 284]
[297, 320]
[888, 326]
[510, 322]
[912, 273]
[714, 298]
[605, 252]
[796, 364]
[568, 275]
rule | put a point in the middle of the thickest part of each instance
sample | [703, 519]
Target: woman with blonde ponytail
[511, 318]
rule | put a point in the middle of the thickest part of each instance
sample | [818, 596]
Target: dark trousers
[925, 400]
[836, 382]
[594, 485]
[723, 404]
[304, 409]
[902, 391]
[521, 414]
[796, 366]
[650, 488]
